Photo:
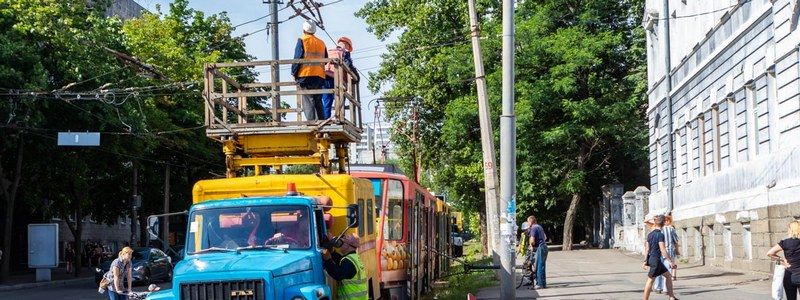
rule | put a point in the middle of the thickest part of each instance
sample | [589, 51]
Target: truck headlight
[138, 269]
[298, 298]
[98, 270]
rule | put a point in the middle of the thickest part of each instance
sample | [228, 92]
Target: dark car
[149, 265]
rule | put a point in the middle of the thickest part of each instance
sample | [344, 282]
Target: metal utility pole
[165, 227]
[134, 215]
[487, 139]
[508, 159]
[668, 81]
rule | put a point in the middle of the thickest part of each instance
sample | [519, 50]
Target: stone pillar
[642, 209]
[642, 197]
[630, 204]
[611, 212]
[617, 189]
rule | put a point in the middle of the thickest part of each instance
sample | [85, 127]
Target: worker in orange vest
[310, 75]
[342, 51]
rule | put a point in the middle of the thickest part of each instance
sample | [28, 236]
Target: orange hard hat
[347, 41]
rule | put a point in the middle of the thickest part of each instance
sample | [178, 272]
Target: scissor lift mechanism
[259, 130]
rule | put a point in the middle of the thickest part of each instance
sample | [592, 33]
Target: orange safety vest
[313, 48]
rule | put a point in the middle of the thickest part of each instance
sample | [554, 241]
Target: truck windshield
[286, 227]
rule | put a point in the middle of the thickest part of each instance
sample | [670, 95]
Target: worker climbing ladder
[261, 133]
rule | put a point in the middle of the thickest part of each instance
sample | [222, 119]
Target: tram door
[417, 238]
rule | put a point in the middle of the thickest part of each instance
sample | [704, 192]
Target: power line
[704, 13]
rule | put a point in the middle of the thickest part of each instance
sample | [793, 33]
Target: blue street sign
[79, 139]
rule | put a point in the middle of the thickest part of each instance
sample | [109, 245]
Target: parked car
[149, 264]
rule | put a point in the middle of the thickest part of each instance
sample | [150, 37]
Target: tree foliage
[579, 97]
[50, 50]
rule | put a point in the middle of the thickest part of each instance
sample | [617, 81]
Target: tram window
[370, 217]
[393, 227]
[377, 190]
[361, 207]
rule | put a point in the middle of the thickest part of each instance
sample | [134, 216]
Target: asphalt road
[67, 292]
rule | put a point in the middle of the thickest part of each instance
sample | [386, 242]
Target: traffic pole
[508, 160]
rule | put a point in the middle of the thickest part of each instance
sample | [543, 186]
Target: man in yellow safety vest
[310, 75]
[346, 268]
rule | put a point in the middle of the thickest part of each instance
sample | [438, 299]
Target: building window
[702, 144]
[741, 126]
[747, 239]
[715, 134]
[726, 242]
[730, 116]
[762, 115]
[772, 104]
[752, 121]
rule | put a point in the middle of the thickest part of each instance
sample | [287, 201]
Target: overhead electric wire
[739, 3]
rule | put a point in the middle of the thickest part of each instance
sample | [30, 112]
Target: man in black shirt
[655, 248]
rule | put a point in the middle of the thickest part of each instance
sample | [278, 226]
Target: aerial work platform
[261, 131]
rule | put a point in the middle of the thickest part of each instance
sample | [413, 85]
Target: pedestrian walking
[655, 247]
[791, 261]
[120, 271]
[344, 46]
[671, 241]
[310, 76]
[538, 242]
[69, 256]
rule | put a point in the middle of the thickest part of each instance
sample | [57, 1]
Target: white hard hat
[309, 27]
[525, 225]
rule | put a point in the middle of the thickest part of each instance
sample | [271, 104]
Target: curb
[5, 288]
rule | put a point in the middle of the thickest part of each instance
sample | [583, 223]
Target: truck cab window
[235, 227]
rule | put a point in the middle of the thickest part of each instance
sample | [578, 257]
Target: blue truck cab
[252, 248]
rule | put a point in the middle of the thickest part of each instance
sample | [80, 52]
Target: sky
[338, 18]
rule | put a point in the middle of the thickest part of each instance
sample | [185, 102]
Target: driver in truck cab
[346, 268]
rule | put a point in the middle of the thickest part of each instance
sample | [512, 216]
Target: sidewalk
[59, 276]
[612, 274]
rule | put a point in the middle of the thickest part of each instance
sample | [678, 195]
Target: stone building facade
[731, 100]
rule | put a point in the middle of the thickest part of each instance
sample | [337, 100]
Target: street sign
[79, 139]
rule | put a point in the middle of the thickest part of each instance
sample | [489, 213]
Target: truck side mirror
[153, 227]
[352, 215]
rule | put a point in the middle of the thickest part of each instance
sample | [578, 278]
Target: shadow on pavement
[561, 296]
[700, 276]
[601, 274]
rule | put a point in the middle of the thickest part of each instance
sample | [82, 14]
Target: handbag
[777, 282]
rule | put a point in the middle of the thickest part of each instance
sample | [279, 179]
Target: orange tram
[414, 233]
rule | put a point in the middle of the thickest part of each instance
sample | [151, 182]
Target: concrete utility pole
[487, 139]
[668, 81]
[273, 29]
[508, 159]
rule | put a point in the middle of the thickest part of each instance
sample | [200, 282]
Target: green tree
[579, 93]
[58, 48]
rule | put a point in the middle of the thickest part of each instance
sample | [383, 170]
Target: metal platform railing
[235, 108]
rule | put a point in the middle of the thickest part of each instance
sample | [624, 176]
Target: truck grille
[223, 290]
